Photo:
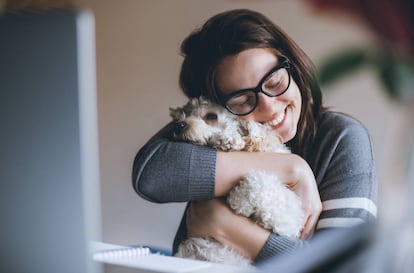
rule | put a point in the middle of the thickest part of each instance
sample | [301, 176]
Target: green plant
[394, 71]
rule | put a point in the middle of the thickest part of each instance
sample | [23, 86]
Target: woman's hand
[304, 185]
[213, 218]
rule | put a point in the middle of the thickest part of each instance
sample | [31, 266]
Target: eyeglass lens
[274, 85]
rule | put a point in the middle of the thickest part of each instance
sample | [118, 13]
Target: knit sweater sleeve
[342, 159]
[168, 171]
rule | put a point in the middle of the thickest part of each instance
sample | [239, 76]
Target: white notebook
[142, 258]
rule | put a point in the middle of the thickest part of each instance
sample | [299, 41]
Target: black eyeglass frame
[259, 89]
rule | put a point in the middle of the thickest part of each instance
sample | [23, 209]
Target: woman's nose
[266, 105]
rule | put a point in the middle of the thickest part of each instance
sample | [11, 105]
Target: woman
[242, 61]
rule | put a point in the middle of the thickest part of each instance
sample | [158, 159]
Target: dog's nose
[179, 127]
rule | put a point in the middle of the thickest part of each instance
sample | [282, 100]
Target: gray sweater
[340, 156]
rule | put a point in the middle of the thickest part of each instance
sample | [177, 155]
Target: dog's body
[259, 195]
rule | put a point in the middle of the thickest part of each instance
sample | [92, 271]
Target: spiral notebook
[145, 259]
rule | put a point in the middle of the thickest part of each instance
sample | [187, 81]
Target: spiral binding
[122, 253]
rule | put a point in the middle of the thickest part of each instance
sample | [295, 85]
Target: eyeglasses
[275, 83]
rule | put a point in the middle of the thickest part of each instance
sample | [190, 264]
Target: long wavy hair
[231, 32]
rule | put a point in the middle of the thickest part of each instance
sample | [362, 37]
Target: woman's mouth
[277, 120]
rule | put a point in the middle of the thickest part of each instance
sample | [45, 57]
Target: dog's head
[205, 123]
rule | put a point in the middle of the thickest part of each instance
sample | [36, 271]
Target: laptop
[48, 142]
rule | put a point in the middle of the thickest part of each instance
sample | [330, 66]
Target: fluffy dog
[259, 195]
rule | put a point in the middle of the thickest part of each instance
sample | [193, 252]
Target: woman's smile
[277, 121]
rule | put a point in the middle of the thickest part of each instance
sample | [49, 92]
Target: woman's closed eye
[274, 82]
[241, 100]
[277, 82]
[273, 86]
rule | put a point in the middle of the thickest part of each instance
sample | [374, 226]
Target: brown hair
[233, 31]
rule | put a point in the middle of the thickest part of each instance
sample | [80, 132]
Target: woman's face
[246, 70]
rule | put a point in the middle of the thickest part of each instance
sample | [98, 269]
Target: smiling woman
[276, 100]
[332, 165]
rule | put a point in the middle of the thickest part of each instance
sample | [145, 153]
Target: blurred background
[366, 71]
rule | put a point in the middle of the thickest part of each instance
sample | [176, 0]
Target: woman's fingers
[305, 187]
[312, 217]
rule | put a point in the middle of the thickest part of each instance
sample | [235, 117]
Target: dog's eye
[210, 116]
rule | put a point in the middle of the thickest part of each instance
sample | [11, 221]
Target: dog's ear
[244, 126]
[253, 129]
[194, 102]
[176, 113]
[229, 142]
[252, 135]
[237, 142]
[203, 101]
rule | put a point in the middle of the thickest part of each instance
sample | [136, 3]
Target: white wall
[138, 63]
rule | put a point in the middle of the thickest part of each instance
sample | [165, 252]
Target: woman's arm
[213, 218]
[238, 232]
[170, 171]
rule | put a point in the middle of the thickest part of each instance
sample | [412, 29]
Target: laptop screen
[49, 151]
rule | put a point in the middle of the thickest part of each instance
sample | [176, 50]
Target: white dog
[259, 195]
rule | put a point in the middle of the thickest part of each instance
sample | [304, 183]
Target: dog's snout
[180, 127]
